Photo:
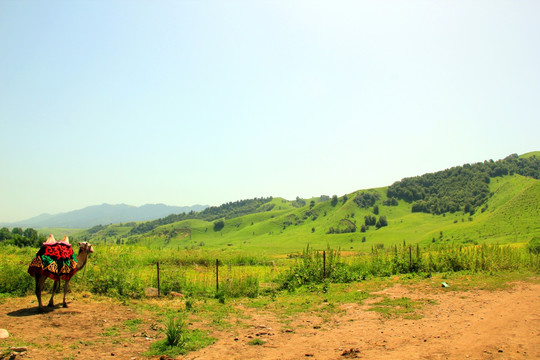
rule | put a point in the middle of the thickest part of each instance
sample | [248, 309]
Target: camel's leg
[55, 288]
[40, 281]
[66, 287]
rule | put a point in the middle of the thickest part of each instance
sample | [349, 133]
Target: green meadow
[480, 217]
[281, 246]
[509, 216]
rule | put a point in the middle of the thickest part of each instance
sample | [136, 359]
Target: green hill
[493, 204]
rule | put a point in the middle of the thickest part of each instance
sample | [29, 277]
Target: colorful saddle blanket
[56, 261]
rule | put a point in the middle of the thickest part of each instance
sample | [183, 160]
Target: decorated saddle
[55, 259]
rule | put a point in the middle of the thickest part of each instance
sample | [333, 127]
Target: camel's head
[86, 247]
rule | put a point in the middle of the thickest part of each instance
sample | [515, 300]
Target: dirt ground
[474, 324]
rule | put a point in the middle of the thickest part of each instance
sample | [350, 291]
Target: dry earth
[474, 324]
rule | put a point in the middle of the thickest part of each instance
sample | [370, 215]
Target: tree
[376, 209]
[218, 225]
[334, 200]
[370, 220]
[5, 234]
[366, 199]
[381, 222]
[17, 231]
[31, 234]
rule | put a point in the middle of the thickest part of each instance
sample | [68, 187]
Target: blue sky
[185, 102]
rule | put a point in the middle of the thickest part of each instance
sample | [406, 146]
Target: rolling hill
[507, 211]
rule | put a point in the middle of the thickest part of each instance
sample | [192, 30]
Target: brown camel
[54, 273]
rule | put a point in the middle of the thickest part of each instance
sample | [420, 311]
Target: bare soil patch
[474, 324]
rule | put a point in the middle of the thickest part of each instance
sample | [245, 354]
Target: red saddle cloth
[56, 261]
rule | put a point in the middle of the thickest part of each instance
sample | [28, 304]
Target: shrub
[534, 245]
[175, 332]
[218, 225]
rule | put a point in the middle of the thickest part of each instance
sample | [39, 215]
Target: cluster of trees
[348, 226]
[461, 188]
[228, 211]
[299, 202]
[19, 237]
[366, 200]
[370, 220]
[345, 226]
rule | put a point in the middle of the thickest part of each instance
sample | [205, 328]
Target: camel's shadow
[35, 311]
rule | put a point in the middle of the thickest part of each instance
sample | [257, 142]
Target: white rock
[4, 334]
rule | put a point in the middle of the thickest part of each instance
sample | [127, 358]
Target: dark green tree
[370, 220]
[219, 225]
[5, 234]
[381, 222]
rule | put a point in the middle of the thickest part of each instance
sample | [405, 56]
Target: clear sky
[186, 102]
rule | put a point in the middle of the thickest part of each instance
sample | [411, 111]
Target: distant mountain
[103, 215]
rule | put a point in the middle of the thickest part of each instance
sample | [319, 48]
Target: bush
[534, 245]
[175, 332]
[218, 225]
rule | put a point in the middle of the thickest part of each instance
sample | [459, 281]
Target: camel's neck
[81, 259]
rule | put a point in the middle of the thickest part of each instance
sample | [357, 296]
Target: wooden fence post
[158, 284]
[324, 264]
[217, 275]
[410, 257]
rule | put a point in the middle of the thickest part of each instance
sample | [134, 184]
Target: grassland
[510, 216]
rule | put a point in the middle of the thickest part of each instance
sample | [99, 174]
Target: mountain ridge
[103, 214]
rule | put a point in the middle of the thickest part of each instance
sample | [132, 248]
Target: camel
[61, 265]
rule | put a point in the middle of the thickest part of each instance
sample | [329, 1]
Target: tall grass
[125, 272]
[406, 259]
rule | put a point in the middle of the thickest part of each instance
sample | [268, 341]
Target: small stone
[151, 292]
[19, 349]
[4, 334]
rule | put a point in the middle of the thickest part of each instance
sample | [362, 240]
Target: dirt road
[475, 324]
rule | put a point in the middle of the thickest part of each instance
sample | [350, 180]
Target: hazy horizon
[186, 103]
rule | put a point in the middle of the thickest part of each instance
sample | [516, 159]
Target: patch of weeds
[56, 347]
[256, 341]
[111, 331]
[85, 343]
[401, 307]
[465, 281]
[220, 324]
[133, 324]
[174, 332]
[220, 295]
[179, 340]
